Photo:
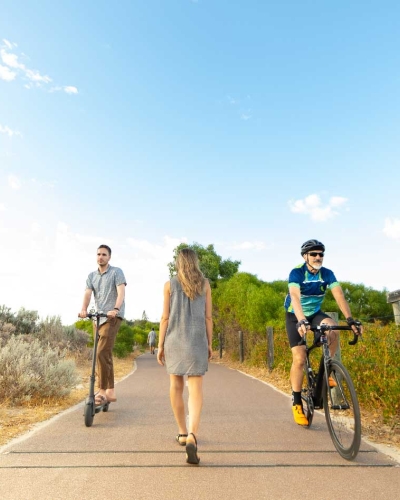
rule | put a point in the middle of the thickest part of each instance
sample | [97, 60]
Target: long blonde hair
[189, 275]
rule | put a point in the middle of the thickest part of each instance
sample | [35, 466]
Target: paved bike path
[249, 446]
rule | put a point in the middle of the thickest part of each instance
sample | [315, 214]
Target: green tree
[211, 264]
[365, 303]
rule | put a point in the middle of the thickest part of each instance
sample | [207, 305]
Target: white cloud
[70, 90]
[6, 74]
[11, 60]
[245, 116]
[14, 182]
[312, 206]
[2, 207]
[392, 228]
[36, 79]
[7, 43]
[6, 130]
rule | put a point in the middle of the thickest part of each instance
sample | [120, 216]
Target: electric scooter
[90, 405]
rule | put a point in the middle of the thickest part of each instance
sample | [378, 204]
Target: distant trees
[211, 264]
[365, 302]
[24, 321]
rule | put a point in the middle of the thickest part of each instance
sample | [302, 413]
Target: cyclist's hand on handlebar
[82, 314]
[356, 325]
[302, 327]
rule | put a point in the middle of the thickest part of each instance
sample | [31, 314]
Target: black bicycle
[90, 406]
[332, 389]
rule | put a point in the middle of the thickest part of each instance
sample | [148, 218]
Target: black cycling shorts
[291, 321]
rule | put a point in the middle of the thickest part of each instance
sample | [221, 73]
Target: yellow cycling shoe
[332, 382]
[298, 415]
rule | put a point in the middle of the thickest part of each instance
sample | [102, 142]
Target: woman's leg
[178, 406]
[195, 385]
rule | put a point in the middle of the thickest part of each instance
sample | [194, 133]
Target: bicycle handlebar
[323, 328]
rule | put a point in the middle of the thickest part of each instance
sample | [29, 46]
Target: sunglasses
[314, 254]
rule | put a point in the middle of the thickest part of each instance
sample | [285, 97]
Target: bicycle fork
[336, 397]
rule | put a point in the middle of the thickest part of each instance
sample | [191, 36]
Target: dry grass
[17, 420]
[373, 426]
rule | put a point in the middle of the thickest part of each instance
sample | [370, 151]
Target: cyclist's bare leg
[332, 336]
[296, 371]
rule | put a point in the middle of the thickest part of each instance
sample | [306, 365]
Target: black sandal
[191, 452]
[179, 441]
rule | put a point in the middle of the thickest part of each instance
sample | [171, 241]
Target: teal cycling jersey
[312, 288]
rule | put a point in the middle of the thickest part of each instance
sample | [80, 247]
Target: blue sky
[252, 125]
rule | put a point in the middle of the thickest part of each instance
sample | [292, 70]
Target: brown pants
[105, 367]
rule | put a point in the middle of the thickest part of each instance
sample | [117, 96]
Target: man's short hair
[106, 247]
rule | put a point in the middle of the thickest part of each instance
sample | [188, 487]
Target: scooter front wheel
[89, 414]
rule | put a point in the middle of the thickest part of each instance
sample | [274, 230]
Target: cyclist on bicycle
[308, 283]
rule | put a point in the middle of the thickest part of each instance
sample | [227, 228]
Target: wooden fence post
[270, 347]
[241, 353]
[394, 299]
[220, 345]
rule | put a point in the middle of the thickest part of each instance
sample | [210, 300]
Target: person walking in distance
[107, 284]
[185, 344]
[308, 284]
[151, 340]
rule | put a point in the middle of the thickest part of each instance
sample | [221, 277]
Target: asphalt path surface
[250, 448]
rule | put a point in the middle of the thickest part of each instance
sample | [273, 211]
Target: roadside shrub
[6, 330]
[51, 331]
[30, 369]
[124, 341]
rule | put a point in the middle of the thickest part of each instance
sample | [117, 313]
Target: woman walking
[185, 344]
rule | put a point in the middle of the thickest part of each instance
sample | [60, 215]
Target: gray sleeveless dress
[186, 345]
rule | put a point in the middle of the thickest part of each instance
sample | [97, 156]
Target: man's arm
[118, 302]
[85, 303]
[341, 301]
[294, 292]
[295, 297]
[120, 295]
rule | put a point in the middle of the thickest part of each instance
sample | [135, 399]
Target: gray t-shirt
[104, 287]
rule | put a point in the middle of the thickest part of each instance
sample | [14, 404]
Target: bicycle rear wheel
[342, 411]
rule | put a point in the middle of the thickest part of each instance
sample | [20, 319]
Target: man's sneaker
[332, 382]
[299, 416]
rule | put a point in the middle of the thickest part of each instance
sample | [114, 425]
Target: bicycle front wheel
[342, 411]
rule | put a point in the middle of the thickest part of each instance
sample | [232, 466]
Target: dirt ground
[16, 420]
